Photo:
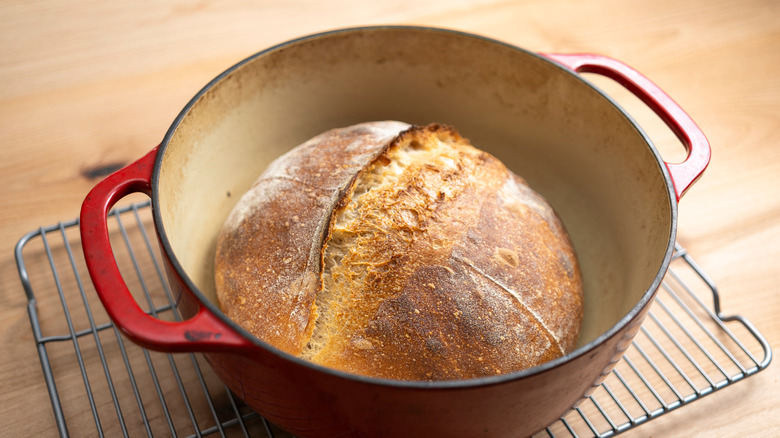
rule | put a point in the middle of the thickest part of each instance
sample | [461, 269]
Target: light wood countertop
[89, 85]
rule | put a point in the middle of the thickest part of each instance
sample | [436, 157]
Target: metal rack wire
[99, 384]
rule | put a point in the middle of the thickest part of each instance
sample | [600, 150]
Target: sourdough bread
[400, 252]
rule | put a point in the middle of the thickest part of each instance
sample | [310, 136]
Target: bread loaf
[400, 252]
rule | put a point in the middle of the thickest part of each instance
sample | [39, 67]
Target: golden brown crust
[429, 261]
[267, 267]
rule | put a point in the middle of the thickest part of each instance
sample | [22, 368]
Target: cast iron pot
[574, 145]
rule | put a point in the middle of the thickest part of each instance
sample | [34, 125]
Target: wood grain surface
[87, 86]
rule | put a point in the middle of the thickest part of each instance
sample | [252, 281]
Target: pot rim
[645, 300]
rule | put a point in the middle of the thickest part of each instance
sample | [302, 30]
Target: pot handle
[203, 332]
[683, 174]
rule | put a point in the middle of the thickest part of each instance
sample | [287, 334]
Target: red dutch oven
[570, 141]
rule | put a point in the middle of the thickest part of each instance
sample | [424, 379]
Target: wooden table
[86, 86]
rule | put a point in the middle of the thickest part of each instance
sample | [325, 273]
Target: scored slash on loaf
[400, 252]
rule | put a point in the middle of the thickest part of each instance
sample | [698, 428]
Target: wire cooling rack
[102, 385]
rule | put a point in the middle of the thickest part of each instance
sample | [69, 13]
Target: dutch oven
[571, 142]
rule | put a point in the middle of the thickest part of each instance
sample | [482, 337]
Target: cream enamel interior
[567, 140]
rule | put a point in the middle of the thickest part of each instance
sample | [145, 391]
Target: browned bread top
[400, 252]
